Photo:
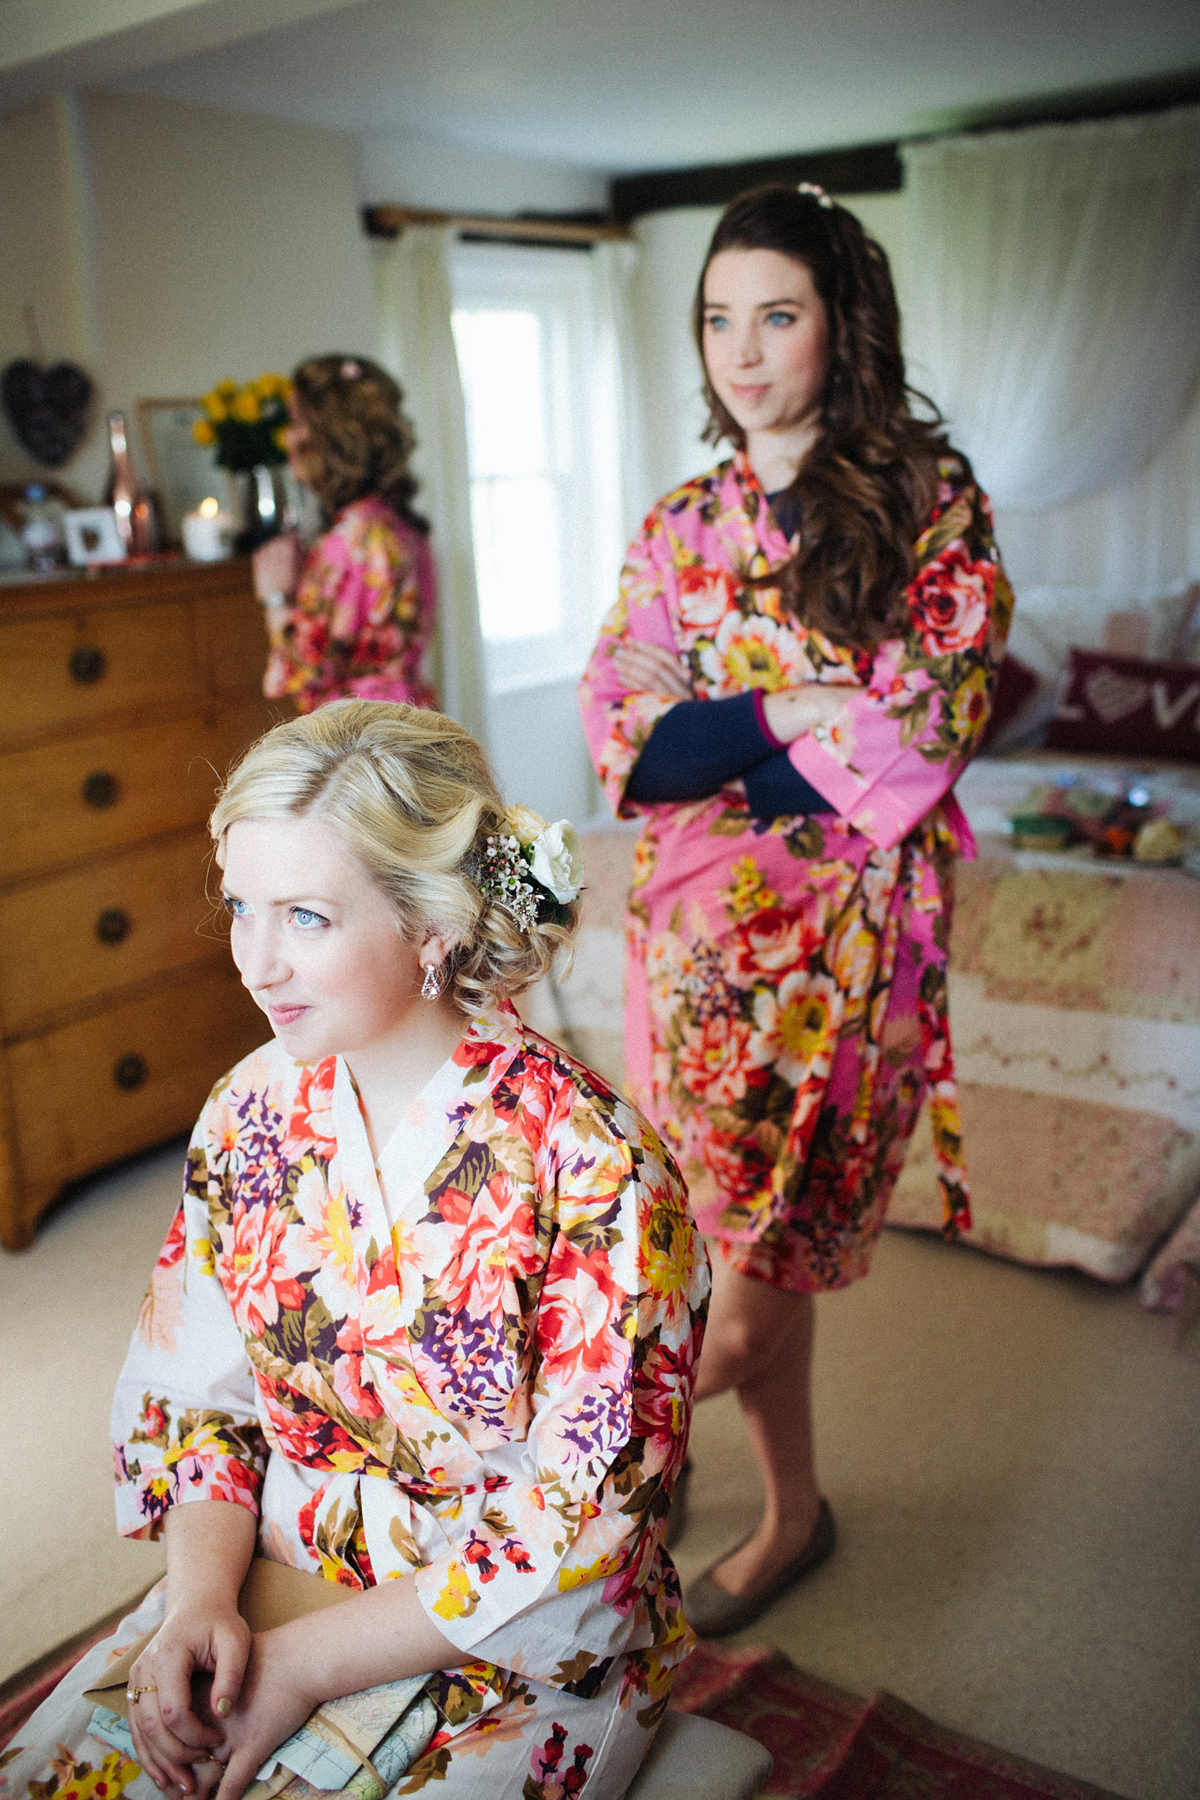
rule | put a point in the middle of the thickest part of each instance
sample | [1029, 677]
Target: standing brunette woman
[353, 616]
[799, 666]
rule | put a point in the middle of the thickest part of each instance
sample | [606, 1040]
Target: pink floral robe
[362, 615]
[469, 1367]
[786, 992]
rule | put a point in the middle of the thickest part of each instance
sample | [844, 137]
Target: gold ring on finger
[134, 1694]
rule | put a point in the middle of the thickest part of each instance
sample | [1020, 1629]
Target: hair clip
[534, 869]
[818, 193]
[351, 370]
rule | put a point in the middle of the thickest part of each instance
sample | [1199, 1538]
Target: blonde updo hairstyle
[412, 795]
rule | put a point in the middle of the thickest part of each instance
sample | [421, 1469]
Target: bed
[1075, 1009]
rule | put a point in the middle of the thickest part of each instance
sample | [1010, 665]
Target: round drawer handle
[100, 789]
[113, 926]
[87, 663]
[129, 1072]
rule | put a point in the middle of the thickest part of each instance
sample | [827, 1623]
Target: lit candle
[207, 532]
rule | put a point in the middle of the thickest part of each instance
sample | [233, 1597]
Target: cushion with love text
[1128, 706]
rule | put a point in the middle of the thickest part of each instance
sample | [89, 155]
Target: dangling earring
[431, 987]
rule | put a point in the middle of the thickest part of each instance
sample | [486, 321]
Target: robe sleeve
[571, 1545]
[774, 790]
[357, 605]
[897, 746]
[184, 1421]
[698, 746]
[617, 720]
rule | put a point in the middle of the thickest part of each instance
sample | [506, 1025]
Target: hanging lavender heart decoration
[46, 408]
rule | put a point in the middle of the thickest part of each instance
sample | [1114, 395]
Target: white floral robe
[471, 1366]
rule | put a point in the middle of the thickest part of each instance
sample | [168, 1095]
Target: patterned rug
[833, 1744]
[824, 1741]
[23, 1693]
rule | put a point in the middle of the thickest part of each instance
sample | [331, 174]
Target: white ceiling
[618, 85]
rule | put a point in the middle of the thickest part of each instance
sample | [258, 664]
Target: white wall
[163, 245]
[538, 753]
[40, 267]
[181, 244]
[411, 170]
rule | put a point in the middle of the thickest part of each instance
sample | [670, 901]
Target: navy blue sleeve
[775, 790]
[697, 747]
[701, 744]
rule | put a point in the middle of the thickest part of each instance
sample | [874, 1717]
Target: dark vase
[260, 501]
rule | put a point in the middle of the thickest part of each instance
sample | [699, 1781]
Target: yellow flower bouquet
[246, 422]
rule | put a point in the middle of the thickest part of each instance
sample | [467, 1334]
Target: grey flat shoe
[712, 1613]
[677, 1515]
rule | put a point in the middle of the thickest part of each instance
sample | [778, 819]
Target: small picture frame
[181, 471]
[92, 536]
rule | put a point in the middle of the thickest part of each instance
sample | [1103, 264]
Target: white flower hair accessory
[818, 193]
[351, 370]
[532, 868]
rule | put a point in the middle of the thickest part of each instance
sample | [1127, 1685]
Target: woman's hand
[277, 565]
[171, 1711]
[275, 1699]
[190, 1674]
[649, 669]
[792, 712]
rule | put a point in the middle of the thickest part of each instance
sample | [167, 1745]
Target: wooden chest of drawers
[122, 699]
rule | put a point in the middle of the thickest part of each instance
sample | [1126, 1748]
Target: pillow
[1015, 682]
[1128, 706]
[1049, 620]
[1188, 648]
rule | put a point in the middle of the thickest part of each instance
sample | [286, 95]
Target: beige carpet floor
[1013, 1458]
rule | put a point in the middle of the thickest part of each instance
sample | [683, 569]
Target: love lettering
[1168, 712]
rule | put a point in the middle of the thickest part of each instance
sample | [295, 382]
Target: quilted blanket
[1075, 1009]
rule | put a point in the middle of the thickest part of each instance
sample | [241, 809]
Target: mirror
[181, 471]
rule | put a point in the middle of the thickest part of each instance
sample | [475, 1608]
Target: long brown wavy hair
[359, 439]
[866, 489]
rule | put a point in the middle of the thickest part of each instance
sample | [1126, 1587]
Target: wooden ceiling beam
[389, 221]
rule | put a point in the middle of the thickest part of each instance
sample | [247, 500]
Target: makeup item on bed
[1158, 841]
[1035, 831]
[1064, 815]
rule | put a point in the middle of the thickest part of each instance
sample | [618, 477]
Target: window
[546, 571]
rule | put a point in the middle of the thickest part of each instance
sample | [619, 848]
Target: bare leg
[759, 1342]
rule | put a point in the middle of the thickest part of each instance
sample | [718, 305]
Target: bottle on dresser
[42, 531]
[134, 507]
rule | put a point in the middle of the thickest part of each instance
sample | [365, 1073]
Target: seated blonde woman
[425, 1323]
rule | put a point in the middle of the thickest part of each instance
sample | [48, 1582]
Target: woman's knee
[749, 1326]
[732, 1355]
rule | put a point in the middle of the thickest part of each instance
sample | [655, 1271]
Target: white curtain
[1053, 297]
[1128, 543]
[416, 343]
[619, 414]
